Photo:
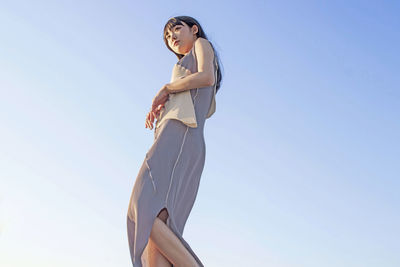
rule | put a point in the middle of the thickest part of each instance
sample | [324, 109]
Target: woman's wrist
[167, 88]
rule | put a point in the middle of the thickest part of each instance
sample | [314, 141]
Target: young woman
[168, 181]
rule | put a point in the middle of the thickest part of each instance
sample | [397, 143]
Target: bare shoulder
[203, 41]
[203, 47]
[205, 57]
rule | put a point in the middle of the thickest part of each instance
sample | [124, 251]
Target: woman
[168, 181]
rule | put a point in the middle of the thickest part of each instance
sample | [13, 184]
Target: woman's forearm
[194, 80]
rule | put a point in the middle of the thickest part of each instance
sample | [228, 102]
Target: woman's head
[180, 33]
[180, 38]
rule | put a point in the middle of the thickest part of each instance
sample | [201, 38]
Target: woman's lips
[176, 43]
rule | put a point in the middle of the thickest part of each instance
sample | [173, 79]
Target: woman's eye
[176, 28]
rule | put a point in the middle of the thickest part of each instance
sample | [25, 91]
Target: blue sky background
[302, 165]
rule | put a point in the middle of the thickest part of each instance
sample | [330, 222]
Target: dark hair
[172, 22]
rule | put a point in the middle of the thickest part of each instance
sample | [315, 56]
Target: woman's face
[181, 38]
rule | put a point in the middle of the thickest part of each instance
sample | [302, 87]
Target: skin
[164, 247]
[202, 78]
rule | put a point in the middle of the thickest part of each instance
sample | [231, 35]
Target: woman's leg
[168, 244]
[155, 257]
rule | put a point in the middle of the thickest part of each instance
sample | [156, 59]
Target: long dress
[169, 176]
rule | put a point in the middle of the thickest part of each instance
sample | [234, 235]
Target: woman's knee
[163, 215]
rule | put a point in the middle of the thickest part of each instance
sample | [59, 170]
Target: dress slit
[169, 176]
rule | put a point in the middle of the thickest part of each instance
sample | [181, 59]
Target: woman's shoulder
[203, 46]
[202, 41]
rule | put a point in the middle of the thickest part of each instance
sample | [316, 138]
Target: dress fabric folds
[170, 174]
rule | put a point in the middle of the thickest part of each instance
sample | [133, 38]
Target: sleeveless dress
[169, 176]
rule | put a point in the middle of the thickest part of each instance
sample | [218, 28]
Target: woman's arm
[205, 75]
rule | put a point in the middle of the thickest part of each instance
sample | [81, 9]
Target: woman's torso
[202, 97]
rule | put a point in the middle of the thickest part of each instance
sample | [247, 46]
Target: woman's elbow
[210, 80]
[206, 79]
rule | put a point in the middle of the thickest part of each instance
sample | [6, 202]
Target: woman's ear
[195, 29]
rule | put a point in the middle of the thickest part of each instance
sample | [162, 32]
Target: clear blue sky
[302, 165]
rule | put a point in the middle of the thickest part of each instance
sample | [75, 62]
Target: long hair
[172, 22]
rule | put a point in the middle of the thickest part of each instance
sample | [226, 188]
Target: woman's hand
[157, 104]
[151, 115]
[160, 98]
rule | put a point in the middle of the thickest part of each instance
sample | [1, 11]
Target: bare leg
[168, 245]
[155, 257]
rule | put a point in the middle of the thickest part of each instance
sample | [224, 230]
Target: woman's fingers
[148, 123]
[152, 115]
[157, 110]
[158, 113]
[160, 101]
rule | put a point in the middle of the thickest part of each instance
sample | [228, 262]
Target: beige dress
[170, 174]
